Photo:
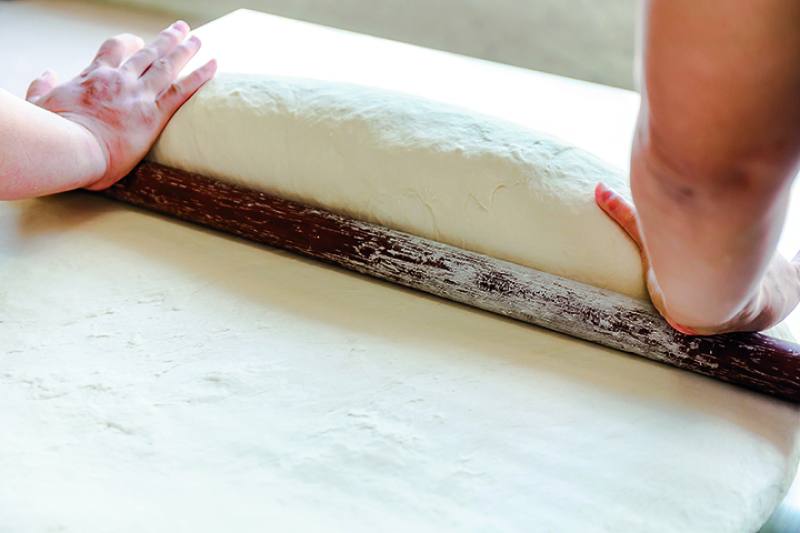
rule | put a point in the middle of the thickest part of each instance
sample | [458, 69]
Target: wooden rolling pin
[754, 361]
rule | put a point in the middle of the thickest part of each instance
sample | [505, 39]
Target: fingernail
[179, 24]
[195, 40]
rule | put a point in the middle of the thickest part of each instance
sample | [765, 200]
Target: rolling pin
[751, 360]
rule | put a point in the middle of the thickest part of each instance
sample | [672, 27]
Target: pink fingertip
[682, 329]
[603, 192]
[605, 195]
[598, 192]
[180, 25]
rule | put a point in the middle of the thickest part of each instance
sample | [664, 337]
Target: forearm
[44, 153]
[716, 148]
[710, 239]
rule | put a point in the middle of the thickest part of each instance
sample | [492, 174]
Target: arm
[716, 147]
[74, 158]
[92, 130]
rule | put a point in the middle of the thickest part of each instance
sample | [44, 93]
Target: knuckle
[177, 90]
[131, 41]
[186, 47]
[103, 83]
[109, 46]
[162, 68]
[113, 42]
[171, 35]
[172, 97]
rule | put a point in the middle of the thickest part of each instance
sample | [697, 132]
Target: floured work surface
[158, 376]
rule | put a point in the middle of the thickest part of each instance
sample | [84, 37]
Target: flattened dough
[412, 164]
[166, 378]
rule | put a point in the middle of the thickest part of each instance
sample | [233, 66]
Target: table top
[158, 376]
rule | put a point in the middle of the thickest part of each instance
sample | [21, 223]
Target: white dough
[415, 165]
[160, 377]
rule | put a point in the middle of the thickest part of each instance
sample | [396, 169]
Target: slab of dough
[412, 164]
[160, 377]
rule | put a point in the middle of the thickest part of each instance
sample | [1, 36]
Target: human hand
[126, 96]
[777, 296]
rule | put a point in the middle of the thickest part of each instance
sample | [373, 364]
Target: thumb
[41, 86]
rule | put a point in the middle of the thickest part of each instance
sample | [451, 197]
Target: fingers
[41, 86]
[682, 329]
[115, 50]
[171, 99]
[166, 41]
[165, 70]
[620, 210]
[623, 213]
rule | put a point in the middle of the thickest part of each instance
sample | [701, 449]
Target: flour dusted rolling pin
[754, 361]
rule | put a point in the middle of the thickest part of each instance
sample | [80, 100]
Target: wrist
[91, 155]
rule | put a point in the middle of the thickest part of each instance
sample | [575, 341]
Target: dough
[160, 377]
[415, 165]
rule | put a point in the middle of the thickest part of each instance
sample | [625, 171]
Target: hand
[778, 294]
[126, 96]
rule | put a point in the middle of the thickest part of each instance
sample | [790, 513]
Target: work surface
[157, 376]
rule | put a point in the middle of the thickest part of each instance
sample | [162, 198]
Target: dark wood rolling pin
[754, 361]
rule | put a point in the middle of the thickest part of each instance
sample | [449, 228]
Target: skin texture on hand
[116, 108]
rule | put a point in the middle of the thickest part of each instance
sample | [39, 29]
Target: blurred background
[582, 39]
